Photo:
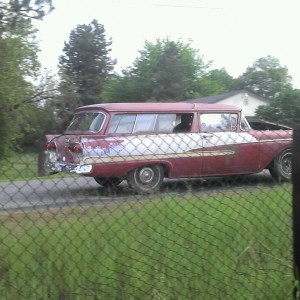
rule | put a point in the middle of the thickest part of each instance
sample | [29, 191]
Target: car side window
[165, 123]
[184, 123]
[122, 123]
[145, 122]
[142, 123]
[216, 122]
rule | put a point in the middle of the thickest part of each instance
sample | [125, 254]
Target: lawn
[235, 245]
[19, 167]
[24, 166]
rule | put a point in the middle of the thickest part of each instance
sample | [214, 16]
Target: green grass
[19, 167]
[23, 166]
[229, 246]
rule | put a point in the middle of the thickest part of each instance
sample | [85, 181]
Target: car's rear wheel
[282, 168]
[109, 182]
[146, 179]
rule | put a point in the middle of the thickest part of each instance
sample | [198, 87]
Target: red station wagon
[147, 142]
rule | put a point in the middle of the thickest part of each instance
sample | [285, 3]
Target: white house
[246, 100]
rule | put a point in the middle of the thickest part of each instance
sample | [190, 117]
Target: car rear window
[86, 121]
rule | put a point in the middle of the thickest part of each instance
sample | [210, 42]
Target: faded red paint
[105, 144]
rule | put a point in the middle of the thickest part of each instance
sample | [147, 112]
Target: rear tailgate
[64, 148]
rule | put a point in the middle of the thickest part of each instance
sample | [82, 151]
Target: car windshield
[86, 121]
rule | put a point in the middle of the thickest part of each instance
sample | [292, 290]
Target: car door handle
[206, 136]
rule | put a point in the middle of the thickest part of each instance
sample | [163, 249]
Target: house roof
[217, 98]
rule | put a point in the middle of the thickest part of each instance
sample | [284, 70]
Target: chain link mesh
[67, 237]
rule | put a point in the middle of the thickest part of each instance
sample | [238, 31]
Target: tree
[266, 77]
[86, 61]
[164, 71]
[17, 14]
[171, 81]
[215, 82]
[123, 88]
[284, 108]
[65, 103]
[18, 63]
[39, 117]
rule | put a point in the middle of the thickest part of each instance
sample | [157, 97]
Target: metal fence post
[296, 209]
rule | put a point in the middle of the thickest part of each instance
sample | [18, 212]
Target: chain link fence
[67, 237]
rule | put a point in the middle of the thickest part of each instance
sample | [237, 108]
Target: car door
[227, 149]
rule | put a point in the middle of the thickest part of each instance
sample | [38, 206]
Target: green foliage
[215, 82]
[38, 121]
[121, 89]
[17, 14]
[65, 102]
[86, 61]
[17, 62]
[266, 77]
[284, 108]
[170, 78]
[164, 71]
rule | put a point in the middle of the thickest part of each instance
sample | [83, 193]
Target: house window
[246, 99]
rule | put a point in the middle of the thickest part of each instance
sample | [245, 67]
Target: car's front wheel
[146, 179]
[110, 182]
[282, 167]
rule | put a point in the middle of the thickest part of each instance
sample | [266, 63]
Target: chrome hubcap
[146, 175]
[286, 163]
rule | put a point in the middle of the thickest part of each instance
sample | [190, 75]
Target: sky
[230, 33]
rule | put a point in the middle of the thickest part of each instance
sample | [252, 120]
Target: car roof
[158, 107]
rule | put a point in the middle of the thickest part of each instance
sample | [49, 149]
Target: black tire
[146, 179]
[281, 170]
[108, 182]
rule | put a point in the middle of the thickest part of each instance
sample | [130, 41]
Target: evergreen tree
[86, 61]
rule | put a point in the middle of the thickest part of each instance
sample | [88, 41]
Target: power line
[186, 6]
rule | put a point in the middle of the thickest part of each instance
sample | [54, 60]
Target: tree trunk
[41, 156]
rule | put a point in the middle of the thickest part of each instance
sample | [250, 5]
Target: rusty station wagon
[147, 142]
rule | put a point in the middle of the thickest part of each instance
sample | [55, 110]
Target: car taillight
[50, 146]
[76, 148]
